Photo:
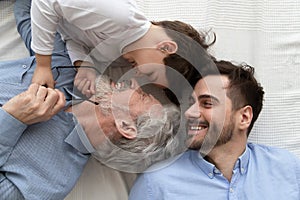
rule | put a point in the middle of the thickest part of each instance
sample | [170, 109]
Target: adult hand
[37, 104]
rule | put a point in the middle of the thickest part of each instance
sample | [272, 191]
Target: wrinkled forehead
[130, 94]
[136, 97]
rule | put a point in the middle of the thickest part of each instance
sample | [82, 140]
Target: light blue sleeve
[297, 161]
[142, 189]
[10, 132]
[23, 21]
[22, 16]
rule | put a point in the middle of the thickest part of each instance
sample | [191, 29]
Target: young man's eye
[207, 104]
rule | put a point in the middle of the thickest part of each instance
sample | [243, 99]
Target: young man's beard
[215, 136]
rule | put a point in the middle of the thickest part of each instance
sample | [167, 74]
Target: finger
[80, 84]
[41, 93]
[51, 99]
[78, 79]
[92, 87]
[61, 102]
[85, 89]
[88, 94]
[33, 88]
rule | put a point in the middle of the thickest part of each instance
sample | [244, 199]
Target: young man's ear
[167, 46]
[127, 128]
[246, 115]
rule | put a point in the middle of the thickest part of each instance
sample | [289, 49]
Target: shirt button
[210, 175]
[242, 170]
[231, 190]
[24, 66]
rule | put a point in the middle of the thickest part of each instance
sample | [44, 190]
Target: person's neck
[225, 156]
[94, 123]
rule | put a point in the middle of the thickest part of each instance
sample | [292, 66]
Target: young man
[220, 163]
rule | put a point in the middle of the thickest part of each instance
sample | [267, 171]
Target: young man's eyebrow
[207, 96]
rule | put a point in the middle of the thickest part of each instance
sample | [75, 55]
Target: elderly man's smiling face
[125, 97]
[117, 114]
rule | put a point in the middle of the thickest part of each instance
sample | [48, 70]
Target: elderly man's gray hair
[157, 139]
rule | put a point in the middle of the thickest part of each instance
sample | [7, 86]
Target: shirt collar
[70, 96]
[242, 162]
[208, 168]
[211, 170]
[27, 62]
[78, 139]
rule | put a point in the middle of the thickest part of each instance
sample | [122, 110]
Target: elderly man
[43, 160]
[45, 141]
[220, 164]
[55, 151]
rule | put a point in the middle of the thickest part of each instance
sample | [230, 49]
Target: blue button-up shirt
[260, 173]
[44, 160]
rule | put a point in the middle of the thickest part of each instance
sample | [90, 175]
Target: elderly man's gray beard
[103, 93]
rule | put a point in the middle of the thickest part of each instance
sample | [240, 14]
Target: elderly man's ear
[127, 128]
[167, 46]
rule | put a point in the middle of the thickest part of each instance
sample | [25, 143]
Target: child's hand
[43, 76]
[85, 81]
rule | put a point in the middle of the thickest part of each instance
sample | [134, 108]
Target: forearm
[10, 133]
[23, 22]
[43, 60]
[42, 73]
[82, 63]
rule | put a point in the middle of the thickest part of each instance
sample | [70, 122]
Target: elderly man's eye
[123, 85]
[191, 101]
[133, 63]
[144, 95]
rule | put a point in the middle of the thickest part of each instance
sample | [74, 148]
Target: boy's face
[149, 62]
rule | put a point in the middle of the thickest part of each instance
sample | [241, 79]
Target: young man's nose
[193, 111]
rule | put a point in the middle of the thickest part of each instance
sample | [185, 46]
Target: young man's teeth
[196, 128]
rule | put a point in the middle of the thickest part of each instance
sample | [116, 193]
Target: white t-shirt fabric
[97, 29]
